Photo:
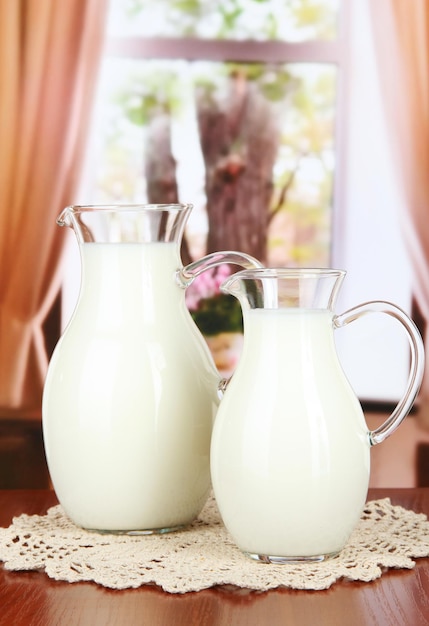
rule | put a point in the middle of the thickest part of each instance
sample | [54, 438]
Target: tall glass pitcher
[131, 389]
[290, 453]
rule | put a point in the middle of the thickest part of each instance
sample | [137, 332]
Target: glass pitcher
[290, 453]
[131, 389]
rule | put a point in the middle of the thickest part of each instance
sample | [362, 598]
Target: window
[230, 106]
[332, 201]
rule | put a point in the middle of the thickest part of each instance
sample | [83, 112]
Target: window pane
[250, 145]
[288, 20]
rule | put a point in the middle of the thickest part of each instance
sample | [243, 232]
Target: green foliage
[261, 19]
[148, 94]
[221, 313]
[313, 12]
[155, 91]
[275, 81]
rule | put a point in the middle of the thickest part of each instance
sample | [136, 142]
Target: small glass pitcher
[131, 389]
[290, 452]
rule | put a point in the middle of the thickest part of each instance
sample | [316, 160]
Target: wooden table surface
[399, 597]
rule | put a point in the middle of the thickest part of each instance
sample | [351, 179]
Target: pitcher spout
[65, 217]
[71, 217]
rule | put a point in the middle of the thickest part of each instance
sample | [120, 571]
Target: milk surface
[290, 447]
[130, 395]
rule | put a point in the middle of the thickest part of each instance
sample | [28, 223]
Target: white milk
[130, 396]
[290, 448]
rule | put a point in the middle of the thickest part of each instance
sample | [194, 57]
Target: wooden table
[399, 597]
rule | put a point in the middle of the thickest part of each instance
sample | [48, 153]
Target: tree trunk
[160, 169]
[239, 140]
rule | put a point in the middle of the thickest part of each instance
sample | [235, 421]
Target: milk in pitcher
[122, 383]
[294, 439]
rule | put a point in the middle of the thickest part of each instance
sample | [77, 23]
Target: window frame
[346, 242]
[332, 52]
[225, 50]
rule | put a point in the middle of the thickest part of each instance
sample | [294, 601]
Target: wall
[374, 351]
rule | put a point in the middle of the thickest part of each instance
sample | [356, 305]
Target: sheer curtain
[401, 34]
[49, 54]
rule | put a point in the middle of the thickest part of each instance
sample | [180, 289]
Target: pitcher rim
[132, 206]
[63, 218]
[286, 272]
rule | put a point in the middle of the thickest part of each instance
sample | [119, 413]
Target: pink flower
[206, 285]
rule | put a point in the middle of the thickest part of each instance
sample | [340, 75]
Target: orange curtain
[49, 55]
[401, 35]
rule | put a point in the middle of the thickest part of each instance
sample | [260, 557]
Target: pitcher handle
[416, 366]
[187, 274]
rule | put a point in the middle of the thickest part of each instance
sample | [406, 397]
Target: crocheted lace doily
[204, 555]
